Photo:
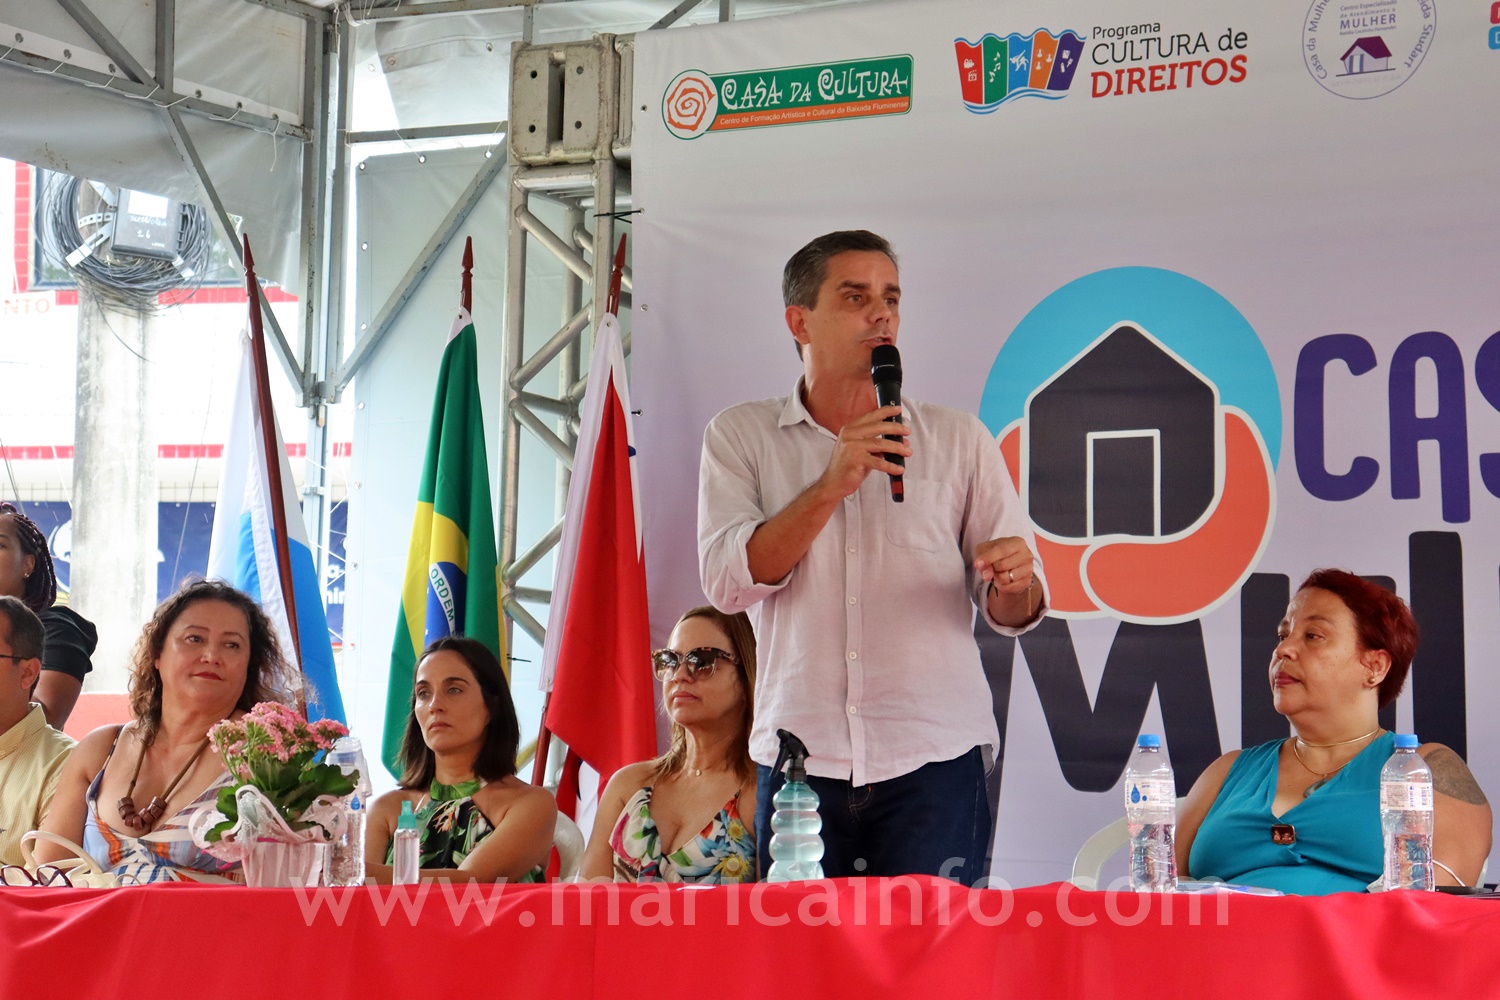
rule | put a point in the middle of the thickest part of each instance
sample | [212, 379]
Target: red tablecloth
[857, 938]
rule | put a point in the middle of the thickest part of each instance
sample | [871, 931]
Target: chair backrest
[1098, 849]
[568, 840]
[93, 710]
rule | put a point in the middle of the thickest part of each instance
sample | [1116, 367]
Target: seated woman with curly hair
[127, 793]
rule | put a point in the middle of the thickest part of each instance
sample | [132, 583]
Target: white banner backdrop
[1248, 249]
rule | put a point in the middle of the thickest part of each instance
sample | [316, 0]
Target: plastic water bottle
[1151, 815]
[1406, 817]
[406, 870]
[796, 847]
[346, 855]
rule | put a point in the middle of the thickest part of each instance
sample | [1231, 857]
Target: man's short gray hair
[808, 269]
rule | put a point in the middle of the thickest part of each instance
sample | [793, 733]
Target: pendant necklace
[146, 818]
[1324, 777]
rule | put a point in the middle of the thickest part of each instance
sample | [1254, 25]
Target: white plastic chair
[1098, 849]
[568, 840]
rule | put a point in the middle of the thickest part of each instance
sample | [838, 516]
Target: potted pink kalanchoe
[283, 797]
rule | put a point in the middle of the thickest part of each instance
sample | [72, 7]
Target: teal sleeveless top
[1338, 848]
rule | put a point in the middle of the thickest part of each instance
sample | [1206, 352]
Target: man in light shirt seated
[863, 607]
[31, 752]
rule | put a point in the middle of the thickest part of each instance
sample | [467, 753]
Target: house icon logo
[1133, 407]
[1367, 55]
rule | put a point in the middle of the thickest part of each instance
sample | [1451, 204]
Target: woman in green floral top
[683, 816]
[478, 820]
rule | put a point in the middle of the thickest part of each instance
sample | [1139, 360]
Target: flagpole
[616, 275]
[543, 745]
[273, 466]
[611, 307]
[466, 297]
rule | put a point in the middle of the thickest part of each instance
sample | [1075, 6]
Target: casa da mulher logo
[995, 69]
[1367, 49]
[1134, 407]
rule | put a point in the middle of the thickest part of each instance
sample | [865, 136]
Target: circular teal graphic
[1191, 319]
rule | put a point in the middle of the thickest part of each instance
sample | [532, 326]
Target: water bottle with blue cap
[346, 856]
[1151, 815]
[1406, 817]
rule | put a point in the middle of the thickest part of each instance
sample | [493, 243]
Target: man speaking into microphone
[863, 607]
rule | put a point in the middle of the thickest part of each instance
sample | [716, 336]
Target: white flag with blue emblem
[243, 550]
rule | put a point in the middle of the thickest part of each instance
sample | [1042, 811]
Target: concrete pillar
[114, 565]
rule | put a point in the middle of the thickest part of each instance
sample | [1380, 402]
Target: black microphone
[885, 372]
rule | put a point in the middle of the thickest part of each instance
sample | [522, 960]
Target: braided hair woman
[26, 572]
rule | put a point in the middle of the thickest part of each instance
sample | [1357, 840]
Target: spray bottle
[796, 848]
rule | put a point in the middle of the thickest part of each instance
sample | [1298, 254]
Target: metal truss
[567, 141]
[565, 114]
[570, 143]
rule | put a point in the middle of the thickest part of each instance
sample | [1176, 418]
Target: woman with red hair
[1303, 814]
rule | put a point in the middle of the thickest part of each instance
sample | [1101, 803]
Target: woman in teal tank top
[1302, 815]
[477, 820]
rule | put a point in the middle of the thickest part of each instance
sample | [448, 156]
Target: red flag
[602, 702]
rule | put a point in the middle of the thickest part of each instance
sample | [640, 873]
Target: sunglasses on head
[700, 662]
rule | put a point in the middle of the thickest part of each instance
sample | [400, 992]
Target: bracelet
[1031, 610]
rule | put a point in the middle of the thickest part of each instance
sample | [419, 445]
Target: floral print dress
[722, 854]
[452, 826]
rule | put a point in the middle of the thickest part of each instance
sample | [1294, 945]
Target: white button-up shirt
[866, 648]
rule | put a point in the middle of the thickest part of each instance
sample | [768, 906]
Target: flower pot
[277, 863]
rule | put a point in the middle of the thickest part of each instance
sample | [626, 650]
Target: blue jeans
[932, 821]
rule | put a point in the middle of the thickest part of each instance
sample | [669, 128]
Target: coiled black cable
[125, 280]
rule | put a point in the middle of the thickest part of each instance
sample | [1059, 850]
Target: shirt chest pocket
[928, 518]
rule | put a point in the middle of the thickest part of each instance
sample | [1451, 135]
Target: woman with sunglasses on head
[682, 817]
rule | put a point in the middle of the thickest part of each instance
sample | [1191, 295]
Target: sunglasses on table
[45, 875]
[700, 662]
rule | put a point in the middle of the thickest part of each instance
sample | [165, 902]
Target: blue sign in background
[184, 531]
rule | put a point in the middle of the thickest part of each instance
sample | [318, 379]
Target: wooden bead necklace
[146, 818]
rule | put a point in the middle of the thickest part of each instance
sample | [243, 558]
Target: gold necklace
[1340, 743]
[1325, 776]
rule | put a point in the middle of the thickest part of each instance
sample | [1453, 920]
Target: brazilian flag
[452, 577]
